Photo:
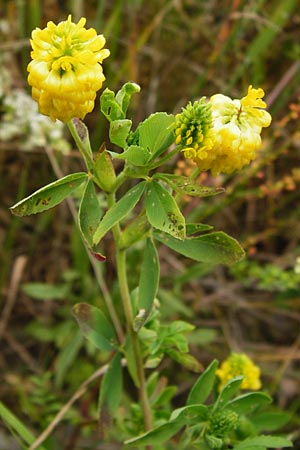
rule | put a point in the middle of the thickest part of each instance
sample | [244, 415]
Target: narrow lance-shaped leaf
[17, 426]
[246, 402]
[193, 228]
[185, 359]
[156, 436]
[264, 441]
[163, 212]
[214, 248]
[190, 414]
[95, 326]
[119, 211]
[188, 186]
[49, 196]
[110, 393]
[228, 391]
[149, 278]
[203, 386]
[89, 213]
[270, 420]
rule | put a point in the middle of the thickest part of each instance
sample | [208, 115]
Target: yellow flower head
[237, 126]
[239, 364]
[65, 72]
[193, 129]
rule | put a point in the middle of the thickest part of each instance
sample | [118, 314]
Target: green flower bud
[193, 129]
[222, 422]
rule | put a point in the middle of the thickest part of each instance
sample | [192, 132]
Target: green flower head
[193, 129]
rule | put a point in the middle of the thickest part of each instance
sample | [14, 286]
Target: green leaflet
[215, 248]
[95, 326]
[119, 211]
[162, 211]
[49, 196]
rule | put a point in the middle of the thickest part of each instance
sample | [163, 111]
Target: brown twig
[283, 82]
[17, 272]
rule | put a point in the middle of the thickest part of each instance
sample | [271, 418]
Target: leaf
[270, 420]
[113, 106]
[192, 228]
[89, 213]
[162, 211]
[110, 107]
[124, 95]
[49, 196]
[134, 231]
[190, 414]
[185, 359]
[149, 278]
[104, 170]
[180, 326]
[110, 393]
[16, 425]
[228, 391]
[252, 447]
[119, 211]
[95, 326]
[135, 155]
[246, 402]
[46, 291]
[203, 386]
[66, 357]
[163, 397]
[156, 133]
[263, 441]
[158, 435]
[187, 186]
[118, 132]
[214, 248]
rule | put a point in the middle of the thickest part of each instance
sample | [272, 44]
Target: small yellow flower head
[193, 129]
[65, 72]
[237, 126]
[239, 364]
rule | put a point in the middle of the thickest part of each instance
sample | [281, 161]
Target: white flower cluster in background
[21, 121]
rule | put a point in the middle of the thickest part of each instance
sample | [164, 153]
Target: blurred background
[177, 50]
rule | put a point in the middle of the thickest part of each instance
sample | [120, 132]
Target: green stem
[120, 180]
[164, 159]
[83, 144]
[121, 267]
[129, 316]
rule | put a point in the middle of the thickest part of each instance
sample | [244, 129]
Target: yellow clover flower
[65, 72]
[239, 364]
[236, 129]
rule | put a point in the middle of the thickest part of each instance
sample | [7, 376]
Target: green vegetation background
[177, 50]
